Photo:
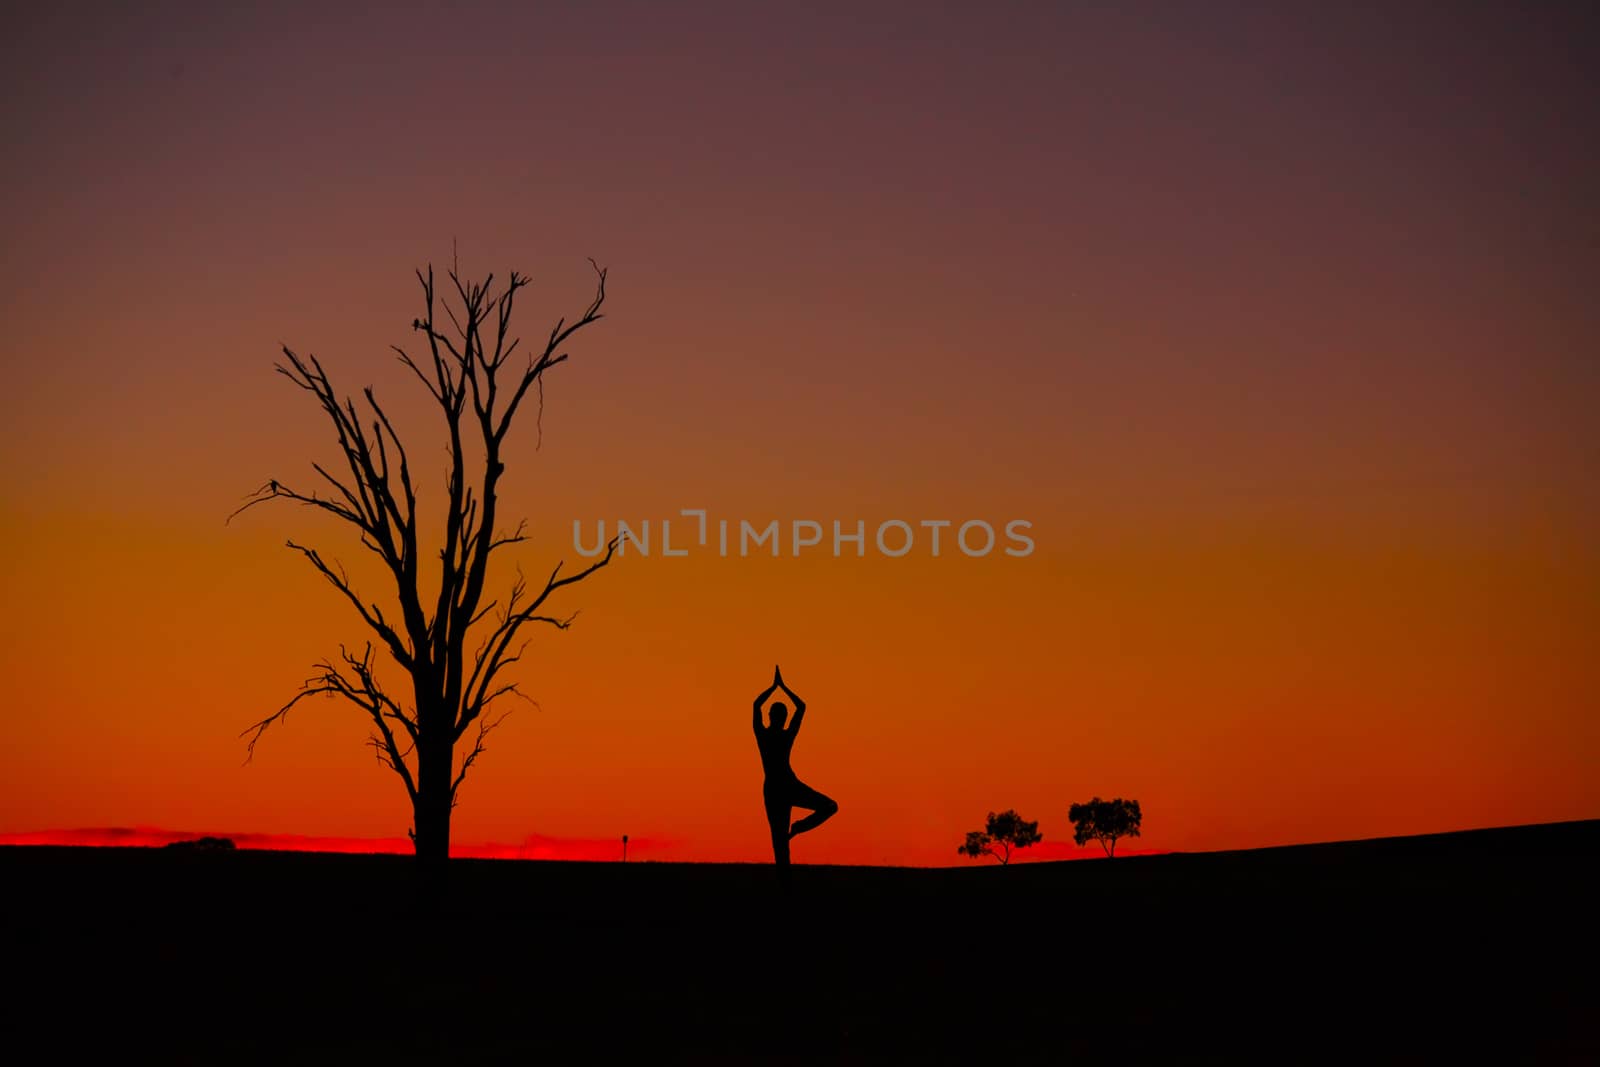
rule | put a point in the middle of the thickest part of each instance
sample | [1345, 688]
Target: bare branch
[372, 616]
[492, 657]
[405, 357]
[363, 691]
[516, 537]
[550, 357]
[255, 730]
[485, 728]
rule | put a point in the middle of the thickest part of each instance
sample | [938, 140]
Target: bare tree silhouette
[468, 373]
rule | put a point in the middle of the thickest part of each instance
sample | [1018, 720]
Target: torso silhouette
[775, 743]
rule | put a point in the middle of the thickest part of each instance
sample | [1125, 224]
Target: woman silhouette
[782, 791]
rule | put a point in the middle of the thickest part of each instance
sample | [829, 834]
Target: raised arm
[755, 710]
[799, 706]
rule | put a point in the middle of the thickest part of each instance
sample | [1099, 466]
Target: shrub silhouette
[1105, 821]
[204, 844]
[1001, 834]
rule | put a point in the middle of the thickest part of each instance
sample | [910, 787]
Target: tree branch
[373, 616]
[492, 658]
[363, 691]
[485, 727]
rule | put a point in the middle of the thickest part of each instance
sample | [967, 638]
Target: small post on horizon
[624, 848]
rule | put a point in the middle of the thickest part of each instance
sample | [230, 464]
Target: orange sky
[1277, 332]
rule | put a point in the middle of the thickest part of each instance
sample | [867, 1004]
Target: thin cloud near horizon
[533, 846]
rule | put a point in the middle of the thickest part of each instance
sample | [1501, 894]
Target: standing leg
[778, 823]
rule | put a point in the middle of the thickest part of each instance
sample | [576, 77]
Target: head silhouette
[778, 713]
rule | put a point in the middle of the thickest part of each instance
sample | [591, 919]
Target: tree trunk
[431, 815]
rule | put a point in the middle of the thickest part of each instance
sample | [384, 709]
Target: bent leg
[821, 806]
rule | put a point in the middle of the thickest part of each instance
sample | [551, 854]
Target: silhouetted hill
[203, 844]
[1475, 944]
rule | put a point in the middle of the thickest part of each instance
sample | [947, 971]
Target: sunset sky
[1277, 323]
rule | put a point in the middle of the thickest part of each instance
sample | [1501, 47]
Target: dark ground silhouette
[1472, 947]
[781, 790]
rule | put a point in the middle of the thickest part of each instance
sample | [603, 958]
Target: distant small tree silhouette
[1000, 835]
[1105, 821]
[430, 729]
[203, 844]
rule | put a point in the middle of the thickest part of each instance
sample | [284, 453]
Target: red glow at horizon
[533, 847]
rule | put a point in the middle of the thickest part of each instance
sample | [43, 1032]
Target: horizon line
[548, 848]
